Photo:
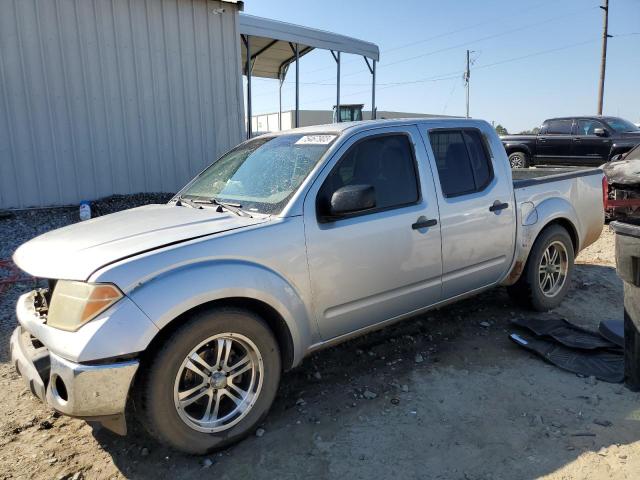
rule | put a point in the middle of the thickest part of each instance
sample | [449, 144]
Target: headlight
[75, 303]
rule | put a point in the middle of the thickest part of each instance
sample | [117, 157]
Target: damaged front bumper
[92, 392]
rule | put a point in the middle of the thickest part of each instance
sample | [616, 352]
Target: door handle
[424, 223]
[497, 206]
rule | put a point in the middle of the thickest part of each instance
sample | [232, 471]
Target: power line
[457, 74]
[446, 34]
[463, 29]
[352, 94]
[467, 43]
[433, 52]
[488, 37]
[479, 67]
[536, 54]
[446, 104]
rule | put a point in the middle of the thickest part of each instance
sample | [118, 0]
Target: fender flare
[554, 211]
[168, 296]
[559, 210]
[517, 147]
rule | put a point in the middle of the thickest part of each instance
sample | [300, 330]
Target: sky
[531, 60]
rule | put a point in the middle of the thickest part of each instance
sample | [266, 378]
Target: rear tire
[229, 359]
[546, 278]
[519, 160]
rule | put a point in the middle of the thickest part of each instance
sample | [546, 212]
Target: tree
[533, 131]
[501, 130]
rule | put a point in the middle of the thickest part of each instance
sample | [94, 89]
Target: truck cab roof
[352, 127]
[587, 117]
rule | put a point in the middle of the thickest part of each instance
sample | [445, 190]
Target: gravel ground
[20, 226]
[445, 395]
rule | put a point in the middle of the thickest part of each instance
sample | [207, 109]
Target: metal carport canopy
[271, 46]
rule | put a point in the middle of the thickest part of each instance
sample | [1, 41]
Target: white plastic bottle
[85, 210]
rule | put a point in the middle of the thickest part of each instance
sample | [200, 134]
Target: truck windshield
[262, 174]
[620, 125]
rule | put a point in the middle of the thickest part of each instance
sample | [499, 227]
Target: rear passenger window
[559, 127]
[480, 163]
[462, 159]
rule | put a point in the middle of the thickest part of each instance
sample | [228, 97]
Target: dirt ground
[454, 399]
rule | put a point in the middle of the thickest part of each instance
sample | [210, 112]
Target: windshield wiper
[197, 204]
[185, 201]
[232, 207]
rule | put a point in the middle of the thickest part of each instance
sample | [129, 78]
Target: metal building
[114, 96]
[122, 96]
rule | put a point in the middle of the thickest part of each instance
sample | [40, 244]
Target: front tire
[546, 278]
[211, 382]
[519, 160]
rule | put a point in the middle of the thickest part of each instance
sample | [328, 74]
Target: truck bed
[526, 177]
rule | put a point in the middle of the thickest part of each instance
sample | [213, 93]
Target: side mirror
[352, 199]
[616, 157]
[600, 132]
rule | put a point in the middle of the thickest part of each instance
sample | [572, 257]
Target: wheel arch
[270, 315]
[555, 212]
[175, 295]
[569, 227]
[517, 147]
[558, 211]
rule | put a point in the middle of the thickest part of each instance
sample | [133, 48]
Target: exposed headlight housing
[75, 303]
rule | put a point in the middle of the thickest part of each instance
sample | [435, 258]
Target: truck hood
[76, 251]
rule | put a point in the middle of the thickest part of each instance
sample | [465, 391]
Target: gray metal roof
[272, 40]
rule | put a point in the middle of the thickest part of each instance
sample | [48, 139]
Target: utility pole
[603, 62]
[467, 75]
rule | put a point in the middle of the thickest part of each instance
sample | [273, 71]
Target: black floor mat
[612, 330]
[565, 333]
[605, 365]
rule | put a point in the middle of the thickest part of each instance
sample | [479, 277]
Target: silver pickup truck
[187, 313]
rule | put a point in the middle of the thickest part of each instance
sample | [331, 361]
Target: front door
[477, 213]
[554, 143]
[385, 262]
[590, 149]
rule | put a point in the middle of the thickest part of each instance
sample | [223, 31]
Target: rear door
[554, 143]
[384, 262]
[477, 214]
[590, 149]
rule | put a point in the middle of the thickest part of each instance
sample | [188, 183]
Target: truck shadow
[442, 395]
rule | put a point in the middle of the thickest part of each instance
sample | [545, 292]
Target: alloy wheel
[218, 382]
[553, 269]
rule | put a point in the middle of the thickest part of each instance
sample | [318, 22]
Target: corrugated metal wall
[114, 96]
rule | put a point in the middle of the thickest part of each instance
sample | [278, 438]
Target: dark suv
[578, 141]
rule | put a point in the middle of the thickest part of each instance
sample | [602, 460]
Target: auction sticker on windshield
[315, 139]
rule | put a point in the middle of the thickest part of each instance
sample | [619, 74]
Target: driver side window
[587, 127]
[385, 162]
